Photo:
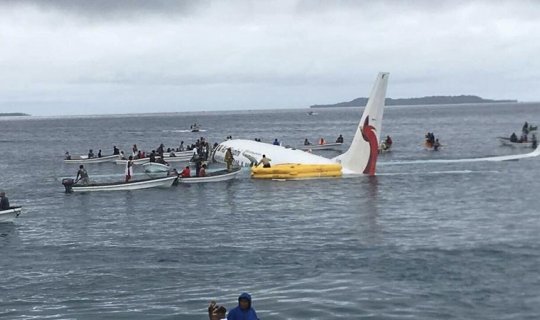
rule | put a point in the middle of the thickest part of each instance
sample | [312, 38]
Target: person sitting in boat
[202, 171]
[82, 175]
[181, 147]
[228, 159]
[276, 142]
[265, 162]
[122, 155]
[186, 173]
[388, 141]
[153, 156]
[4, 201]
[216, 312]
[90, 154]
[67, 156]
[339, 139]
[306, 142]
[134, 150]
[99, 153]
[436, 145]
[513, 137]
[321, 141]
[116, 151]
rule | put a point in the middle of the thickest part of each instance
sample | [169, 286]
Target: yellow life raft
[297, 171]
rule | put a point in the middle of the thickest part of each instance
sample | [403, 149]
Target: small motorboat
[10, 214]
[523, 144]
[86, 160]
[311, 113]
[165, 182]
[384, 147]
[195, 128]
[214, 176]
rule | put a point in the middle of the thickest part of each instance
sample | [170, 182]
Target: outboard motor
[68, 184]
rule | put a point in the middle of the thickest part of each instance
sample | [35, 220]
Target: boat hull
[7, 216]
[81, 160]
[132, 185]
[216, 176]
[508, 143]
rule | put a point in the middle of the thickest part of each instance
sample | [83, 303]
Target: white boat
[154, 167]
[506, 142]
[147, 160]
[117, 186]
[10, 214]
[214, 176]
[86, 160]
[187, 153]
[326, 146]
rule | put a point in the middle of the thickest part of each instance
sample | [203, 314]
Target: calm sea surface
[422, 241]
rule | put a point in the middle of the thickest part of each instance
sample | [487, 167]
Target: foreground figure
[244, 311]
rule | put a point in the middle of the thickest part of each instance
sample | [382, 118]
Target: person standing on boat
[4, 201]
[306, 142]
[513, 137]
[82, 175]
[99, 153]
[534, 143]
[244, 310]
[229, 159]
[129, 169]
[321, 141]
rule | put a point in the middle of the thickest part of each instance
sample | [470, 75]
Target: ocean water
[417, 241]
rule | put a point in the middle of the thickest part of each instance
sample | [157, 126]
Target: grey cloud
[102, 9]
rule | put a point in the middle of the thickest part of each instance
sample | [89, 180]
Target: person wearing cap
[244, 310]
[4, 201]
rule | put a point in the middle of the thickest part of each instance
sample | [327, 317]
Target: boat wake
[533, 154]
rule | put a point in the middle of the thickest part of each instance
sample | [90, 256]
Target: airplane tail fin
[362, 154]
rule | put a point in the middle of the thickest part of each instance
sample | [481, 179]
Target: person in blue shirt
[276, 142]
[244, 311]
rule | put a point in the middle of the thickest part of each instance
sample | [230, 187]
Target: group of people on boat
[525, 130]
[432, 142]
[386, 144]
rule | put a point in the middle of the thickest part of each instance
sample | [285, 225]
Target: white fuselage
[245, 152]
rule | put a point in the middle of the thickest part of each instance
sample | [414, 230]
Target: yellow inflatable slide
[297, 171]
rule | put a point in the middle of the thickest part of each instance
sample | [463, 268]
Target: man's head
[81, 166]
[244, 301]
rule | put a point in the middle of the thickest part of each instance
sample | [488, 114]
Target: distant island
[360, 102]
[13, 114]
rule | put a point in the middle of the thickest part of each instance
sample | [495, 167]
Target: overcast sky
[103, 56]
